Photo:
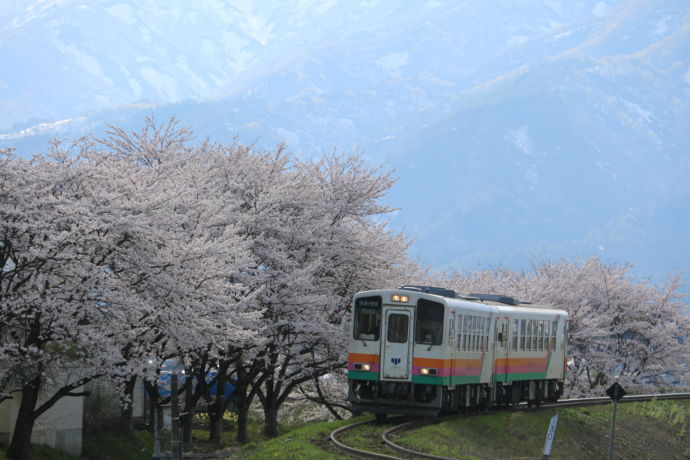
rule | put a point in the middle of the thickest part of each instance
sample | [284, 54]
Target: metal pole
[613, 430]
[175, 416]
[156, 431]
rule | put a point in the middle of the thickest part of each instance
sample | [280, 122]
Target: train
[424, 350]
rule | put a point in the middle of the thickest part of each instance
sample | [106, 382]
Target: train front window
[367, 318]
[397, 328]
[429, 323]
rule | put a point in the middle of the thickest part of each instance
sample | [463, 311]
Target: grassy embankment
[655, 430]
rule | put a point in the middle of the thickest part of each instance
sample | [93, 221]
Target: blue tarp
[164, 384]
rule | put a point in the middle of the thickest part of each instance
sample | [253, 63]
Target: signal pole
[616, 393]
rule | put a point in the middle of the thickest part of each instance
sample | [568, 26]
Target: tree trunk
[190, 409]
[217, 408]
[242, 412]
[126, 421]
[24, 425]
[271, 419]
[154, 403]
[216, 422]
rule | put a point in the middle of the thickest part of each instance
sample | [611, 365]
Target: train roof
[443, 292]
[500, 302]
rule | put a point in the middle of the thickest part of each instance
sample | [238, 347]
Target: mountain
[518, 129]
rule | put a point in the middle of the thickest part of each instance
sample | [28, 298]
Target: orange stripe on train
[520, 361]
[363, 358]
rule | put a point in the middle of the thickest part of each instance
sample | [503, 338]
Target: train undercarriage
[382, 397]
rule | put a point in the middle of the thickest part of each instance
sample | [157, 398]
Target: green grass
[116, 446]
[658, 429]
[304, 443]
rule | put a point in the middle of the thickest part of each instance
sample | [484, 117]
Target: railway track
[407, 425]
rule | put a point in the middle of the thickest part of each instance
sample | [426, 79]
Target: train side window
[553, 334]
[547, 335]
[535, 334]
[465, 333]
[515, 334]
[429, 324]
[565, 335]
[496, 331]
[540, 338]
[458, 344]
[487, 329]
[367, 318]
[476, 333]
[451, 331]
[523, 332]
[529, 335]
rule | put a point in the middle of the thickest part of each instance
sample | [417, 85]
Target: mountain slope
[548, 128]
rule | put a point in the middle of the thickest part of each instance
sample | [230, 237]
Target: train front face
[391, 330]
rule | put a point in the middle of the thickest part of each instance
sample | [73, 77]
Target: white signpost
[549, 436]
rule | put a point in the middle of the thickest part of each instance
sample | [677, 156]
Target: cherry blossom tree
[318, 242]
[54, 280]
[620, 328]
[110, 258]
[190, 274]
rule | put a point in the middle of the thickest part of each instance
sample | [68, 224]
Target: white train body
[415, 351]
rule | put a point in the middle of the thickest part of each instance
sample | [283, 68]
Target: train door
[501, 350]
[395, 355]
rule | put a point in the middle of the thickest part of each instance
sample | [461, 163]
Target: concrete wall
[60, 427]
[8, 413]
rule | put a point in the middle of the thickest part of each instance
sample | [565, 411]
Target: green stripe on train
[362, 375]
[463, 379]
[519, 376]
[431, 379]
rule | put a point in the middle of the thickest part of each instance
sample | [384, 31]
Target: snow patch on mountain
[638, 112]
[521, 139]
[123, 12]
[601, 9]
[42, 128]
[164, 85]
[393, 62]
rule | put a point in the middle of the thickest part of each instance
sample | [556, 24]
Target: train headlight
[362, 367]
[427, 371]
[399, 298]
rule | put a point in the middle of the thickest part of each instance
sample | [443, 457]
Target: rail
[408, 425]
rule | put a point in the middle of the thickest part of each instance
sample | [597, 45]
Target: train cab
[393, 332]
